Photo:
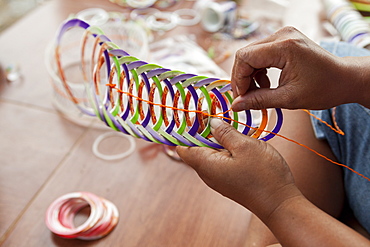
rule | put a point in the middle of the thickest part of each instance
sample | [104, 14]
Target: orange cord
[336, 129]
[335, 121]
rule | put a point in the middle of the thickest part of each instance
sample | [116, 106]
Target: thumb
[262, 98]
[226, 135]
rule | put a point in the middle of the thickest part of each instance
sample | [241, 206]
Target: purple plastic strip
[69, 24]
[158, 137]
[106, 98]
[226, 115]
[207, 142]
[182, 139]
[223, 103]
[127, 111]
[279, 123]
[172, 93]
[84, 111]
[97, 100]
[116, 123]
[181, 77]
[248, 123]
[136, 131]
[107, 61]
[148, 114]
[104, 38]
[225, 88]
[195, 126]
[205, 82]
[136, 64]
[118, 53]
[156, 72]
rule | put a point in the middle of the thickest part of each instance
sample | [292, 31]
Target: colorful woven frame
[151, 102]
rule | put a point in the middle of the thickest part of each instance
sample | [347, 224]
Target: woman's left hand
[248, 171]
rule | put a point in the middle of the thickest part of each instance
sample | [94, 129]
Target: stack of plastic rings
[162, 4]
[101, 221]
[349, 22]
[153, 103]
[363, 6]
[158, 20]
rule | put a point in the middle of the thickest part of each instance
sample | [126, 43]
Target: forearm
[297, 222]
[357, 80]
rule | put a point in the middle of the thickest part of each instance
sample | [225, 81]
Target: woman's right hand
[311, 77]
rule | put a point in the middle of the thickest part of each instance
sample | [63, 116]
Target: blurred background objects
[12, 10]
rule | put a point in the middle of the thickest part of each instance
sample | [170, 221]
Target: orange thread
[267, 131]
[336, 129]
[335, 120]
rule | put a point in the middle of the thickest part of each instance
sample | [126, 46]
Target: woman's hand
[253, 173]
[311, 77]
[249, 171]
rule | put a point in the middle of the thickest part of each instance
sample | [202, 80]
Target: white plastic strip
[130, 150]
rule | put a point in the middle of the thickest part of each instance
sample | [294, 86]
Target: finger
[271, 38]
[204, 161]
[263, 98]
[251, 58]
[227, 135]
[195, 156]
[264, 56]
[241, 75]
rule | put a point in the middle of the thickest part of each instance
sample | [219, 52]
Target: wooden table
[43, 156]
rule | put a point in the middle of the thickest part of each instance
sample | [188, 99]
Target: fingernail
[237, 104]
[237, 107]
[237, 91]
[215, 122]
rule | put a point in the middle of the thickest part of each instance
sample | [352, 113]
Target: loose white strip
[182, 13]
[130, 150]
